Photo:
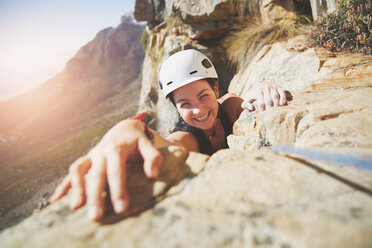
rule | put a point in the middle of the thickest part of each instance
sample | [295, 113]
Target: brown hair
[211, 81]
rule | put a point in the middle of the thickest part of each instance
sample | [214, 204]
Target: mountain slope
[44, 130]
[103, 68]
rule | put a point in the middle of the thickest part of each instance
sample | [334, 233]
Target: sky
[38, 37]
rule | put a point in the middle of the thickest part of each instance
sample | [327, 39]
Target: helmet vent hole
[206, 63]
[193, 72]
[169, 83]
[161, 85]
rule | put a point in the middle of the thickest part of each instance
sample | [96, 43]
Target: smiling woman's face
[197, 104]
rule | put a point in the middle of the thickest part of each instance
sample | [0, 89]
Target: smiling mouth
[204, 117]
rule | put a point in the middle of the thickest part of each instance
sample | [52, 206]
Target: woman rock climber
[189, 79]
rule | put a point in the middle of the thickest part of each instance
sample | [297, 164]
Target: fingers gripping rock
[144, 192]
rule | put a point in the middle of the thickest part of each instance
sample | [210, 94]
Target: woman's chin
[207, 125]
[202, 127]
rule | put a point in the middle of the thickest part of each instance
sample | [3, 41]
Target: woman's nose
[196, 110]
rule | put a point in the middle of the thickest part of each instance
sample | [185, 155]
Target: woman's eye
[203, 96]
[185, 105]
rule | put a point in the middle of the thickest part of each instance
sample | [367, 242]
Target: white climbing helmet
[184, 67]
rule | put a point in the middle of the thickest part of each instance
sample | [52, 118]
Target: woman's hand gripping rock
[263, 96]
[105, 164]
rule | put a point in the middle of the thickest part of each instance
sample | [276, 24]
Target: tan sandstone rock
[293, 66]
[200, 10]
[329, 119]
[272, 11]
[256, 199]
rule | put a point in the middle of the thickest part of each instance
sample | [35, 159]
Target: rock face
[322, 7]
[149, 11]
[200, 24]
[201, 10]
[293, 66]
[272, 11]
[329, 119]
[256, 199]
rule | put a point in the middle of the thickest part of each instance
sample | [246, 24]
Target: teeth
[203, 117]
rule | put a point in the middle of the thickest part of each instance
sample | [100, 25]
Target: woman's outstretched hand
[263, 96]
[106, 164]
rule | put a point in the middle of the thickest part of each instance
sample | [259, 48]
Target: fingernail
[120, 206]
[74, 202]
[51, 199]
[93, 213]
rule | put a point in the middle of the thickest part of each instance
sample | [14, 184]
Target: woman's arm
[184, 139]
[106, 164]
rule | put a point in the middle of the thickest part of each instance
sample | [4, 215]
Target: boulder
[256, 199]
[329, 119]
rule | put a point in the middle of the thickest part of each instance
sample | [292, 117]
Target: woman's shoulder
[184, 139]
[231, 105]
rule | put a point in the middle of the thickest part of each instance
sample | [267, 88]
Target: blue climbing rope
[361, 162]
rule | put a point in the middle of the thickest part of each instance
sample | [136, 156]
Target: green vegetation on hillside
[347, 29]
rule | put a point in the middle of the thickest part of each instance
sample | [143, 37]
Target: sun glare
[38, 37]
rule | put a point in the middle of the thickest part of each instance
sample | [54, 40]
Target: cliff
[294, 176]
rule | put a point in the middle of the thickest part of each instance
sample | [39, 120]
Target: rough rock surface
[200, 10]
[322, 7]
[257, 199]
[330, 119]
[272, 11]
[293, 66]
[201, 24]
[149, 11]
